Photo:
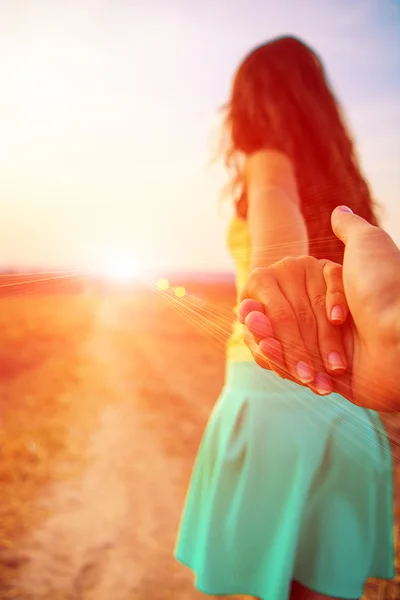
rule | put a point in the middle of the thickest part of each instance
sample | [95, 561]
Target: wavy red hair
[281, 100]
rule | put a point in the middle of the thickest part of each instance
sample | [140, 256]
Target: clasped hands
[328, 327]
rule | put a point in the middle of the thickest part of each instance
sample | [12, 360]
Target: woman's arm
[276, 224]
[278, 231]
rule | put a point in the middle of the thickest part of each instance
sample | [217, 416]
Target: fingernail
[304, 372]
[335, 361]
[345, 209]
[337, 313]
[323, 384]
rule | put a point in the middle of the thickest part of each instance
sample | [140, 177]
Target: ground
[103, 400]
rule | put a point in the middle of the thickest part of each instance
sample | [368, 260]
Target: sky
[108, 119]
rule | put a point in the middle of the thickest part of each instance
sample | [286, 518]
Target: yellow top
[239, 245]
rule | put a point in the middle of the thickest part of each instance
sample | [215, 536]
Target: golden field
[103, 400]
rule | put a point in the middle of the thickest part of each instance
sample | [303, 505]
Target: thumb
[345, 223]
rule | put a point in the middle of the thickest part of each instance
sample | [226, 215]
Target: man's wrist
[388, 326]
[389, 343]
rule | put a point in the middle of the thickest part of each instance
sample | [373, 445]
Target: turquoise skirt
[288, 486]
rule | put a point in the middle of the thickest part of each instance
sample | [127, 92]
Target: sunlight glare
[122, 270]
[180, 291]
[163, 284]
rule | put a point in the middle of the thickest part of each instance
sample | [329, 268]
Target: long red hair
[281, 100]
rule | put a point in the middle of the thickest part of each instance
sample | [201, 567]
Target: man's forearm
[389, 359]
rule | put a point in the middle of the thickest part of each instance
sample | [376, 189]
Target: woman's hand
[291, 311]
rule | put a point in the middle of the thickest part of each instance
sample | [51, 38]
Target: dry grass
[41, 348]
[103, 401]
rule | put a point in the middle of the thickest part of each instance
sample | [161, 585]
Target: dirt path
[111, 532]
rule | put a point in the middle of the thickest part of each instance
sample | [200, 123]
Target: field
[103, 400]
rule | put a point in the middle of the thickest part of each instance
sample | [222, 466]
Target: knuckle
[308, 261]
[333, 274]
[280, 316]
[335, 271]
[335, 268]
[305, 317]
[318, 301]
[298, 264]
[370, 235]
[259, 277]
[315, 357]
[289, 264]
[338, 297]
[259, 274]
[289, 261]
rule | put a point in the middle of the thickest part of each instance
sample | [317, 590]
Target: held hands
[297, 319]
[300, 338]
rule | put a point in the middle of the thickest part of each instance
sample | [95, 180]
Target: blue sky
[109, 107]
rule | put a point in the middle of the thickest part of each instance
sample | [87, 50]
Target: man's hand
[371, 278]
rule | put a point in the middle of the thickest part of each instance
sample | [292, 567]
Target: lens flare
[163, 284]
[180, 291]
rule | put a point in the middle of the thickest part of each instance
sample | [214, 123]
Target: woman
[291, 495]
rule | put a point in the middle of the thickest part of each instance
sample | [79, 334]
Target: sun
[121, 270]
